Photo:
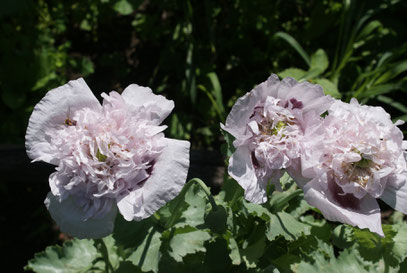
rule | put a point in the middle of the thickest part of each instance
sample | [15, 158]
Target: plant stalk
[182, 195]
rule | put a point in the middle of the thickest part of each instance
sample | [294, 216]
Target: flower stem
[105, 255]
[182, 195]
[236, 195]
[206, 190]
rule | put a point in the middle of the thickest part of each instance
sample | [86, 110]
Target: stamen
[279, 126]
[101, 157]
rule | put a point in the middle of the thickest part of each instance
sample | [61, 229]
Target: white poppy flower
[268, 124]
[359, 156]
[109, 157]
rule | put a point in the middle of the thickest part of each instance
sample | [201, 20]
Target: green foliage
[74, 256]
[187, 240]
[147, 254]
[233, 236]
[294, 44]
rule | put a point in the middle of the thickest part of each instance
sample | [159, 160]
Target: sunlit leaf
[342, 236]
[123, 7]
[109, 251]
[74, 256]
[283, 224]
[233, 248]
[279, 200]
[325, 261]
[295, 73]
[329, 87]
[319, 63]
[146, 254]
[187, 240]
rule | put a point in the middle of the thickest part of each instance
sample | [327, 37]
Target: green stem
[236, 196]
[206, 190]
[182, 194]
[105, 255]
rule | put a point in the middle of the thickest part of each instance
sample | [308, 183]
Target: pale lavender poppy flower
[108, 157]
[269, 123]
[356, 156]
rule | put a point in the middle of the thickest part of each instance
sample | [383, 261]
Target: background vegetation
[201, 54]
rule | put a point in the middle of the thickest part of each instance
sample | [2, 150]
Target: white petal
[69, 217]
[131, 205]
[285, 88]
[312, 97]
[57, 105]
[295, 171]
[243, 108]
[242, 170]
[158, 106]
[166, 181]
[365, 214]
[396, 196]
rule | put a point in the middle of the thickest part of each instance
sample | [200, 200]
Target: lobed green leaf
[74, 256]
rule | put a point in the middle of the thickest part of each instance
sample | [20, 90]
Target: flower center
[360, 172]
[272, 128]
[279, 126]
[101, 157]
[363, 163]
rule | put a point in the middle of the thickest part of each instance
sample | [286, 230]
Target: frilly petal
[364, 214]
[311, 95]
[166, 181]
[131, 205]
[69, 217]
[295, 171]
[157, 106]
[53, 110]
[243, 108]
[285, 88]
[395, 195]
[242, 170]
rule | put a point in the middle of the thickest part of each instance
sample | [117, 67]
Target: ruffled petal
[166, 181]
[242, 170]
[131, 205]
[157, 106]
[241, 111]
[70, 218]
[310, 95]
[53, 110]
[364, 213]
[285, 88]
[295, 171]
[395, 195]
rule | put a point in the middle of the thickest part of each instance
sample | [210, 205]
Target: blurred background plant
[201, 54]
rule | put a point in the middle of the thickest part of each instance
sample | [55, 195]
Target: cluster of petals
[110, 157]
[355, 156]
[343, 155]
[269, 124]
